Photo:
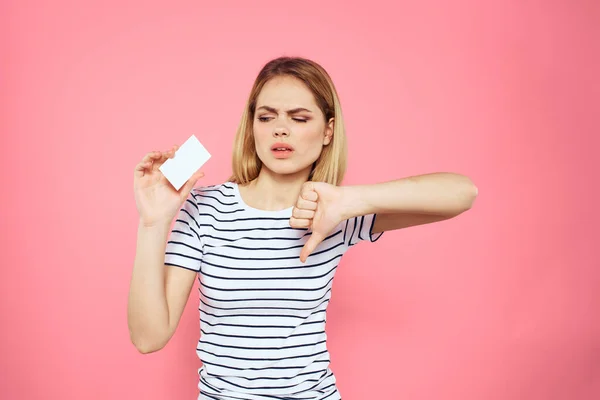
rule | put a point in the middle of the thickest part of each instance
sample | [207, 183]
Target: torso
[262, 311]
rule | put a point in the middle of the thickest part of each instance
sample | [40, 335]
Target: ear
[328, 132]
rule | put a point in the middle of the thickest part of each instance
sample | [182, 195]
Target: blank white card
[187, 160]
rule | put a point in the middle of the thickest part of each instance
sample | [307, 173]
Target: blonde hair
[330, 167]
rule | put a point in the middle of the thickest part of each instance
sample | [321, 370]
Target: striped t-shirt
[262, 311]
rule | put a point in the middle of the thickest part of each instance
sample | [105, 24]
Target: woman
[265, 245]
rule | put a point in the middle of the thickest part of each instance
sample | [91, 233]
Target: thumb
[189, 185]
[315, 239]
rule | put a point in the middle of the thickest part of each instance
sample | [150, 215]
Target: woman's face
[289, 128]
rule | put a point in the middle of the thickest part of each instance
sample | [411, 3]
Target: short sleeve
[185, 245]
[360, 228]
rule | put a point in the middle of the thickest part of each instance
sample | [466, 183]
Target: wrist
[154, 225]
[354, 202]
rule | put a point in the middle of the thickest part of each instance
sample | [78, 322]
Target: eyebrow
[292, 111]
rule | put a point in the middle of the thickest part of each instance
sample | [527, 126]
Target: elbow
[147, 348]
[469, 194]
[464, 196]
[146, 344]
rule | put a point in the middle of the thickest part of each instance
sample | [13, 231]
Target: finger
[299, 223]
[141, 168]
[189, 185]
[173, 151]
[160, 160]
[151, 156]
[310, 195]
[147, 162]
[303, 214]
[308, 186]
[310, 246]
[306, 204]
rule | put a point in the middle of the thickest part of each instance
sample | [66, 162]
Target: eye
[300, 120]
[263, 119]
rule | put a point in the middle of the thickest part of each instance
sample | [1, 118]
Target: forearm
[444, 194]
[148, 312]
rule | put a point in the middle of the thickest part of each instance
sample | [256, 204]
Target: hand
[319, 207]
[156, 199]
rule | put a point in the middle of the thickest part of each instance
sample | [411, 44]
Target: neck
[271, 191]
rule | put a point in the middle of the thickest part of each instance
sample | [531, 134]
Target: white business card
[187, 160]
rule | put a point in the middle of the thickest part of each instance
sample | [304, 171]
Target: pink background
[500, 303]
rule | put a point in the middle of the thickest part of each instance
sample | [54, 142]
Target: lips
[282, 151]
[282, 147]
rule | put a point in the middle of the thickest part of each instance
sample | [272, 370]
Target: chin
[287, 169]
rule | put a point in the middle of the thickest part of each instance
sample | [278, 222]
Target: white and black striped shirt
[262, 311]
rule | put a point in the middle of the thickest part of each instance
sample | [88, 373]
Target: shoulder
[219, 190]
[219, 198]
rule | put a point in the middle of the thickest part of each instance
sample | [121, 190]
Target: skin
[280, 180]
[158, 293]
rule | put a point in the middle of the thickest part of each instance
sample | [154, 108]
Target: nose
[280, 131]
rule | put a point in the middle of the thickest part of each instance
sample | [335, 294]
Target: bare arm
[158, 293]
[411, 201]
